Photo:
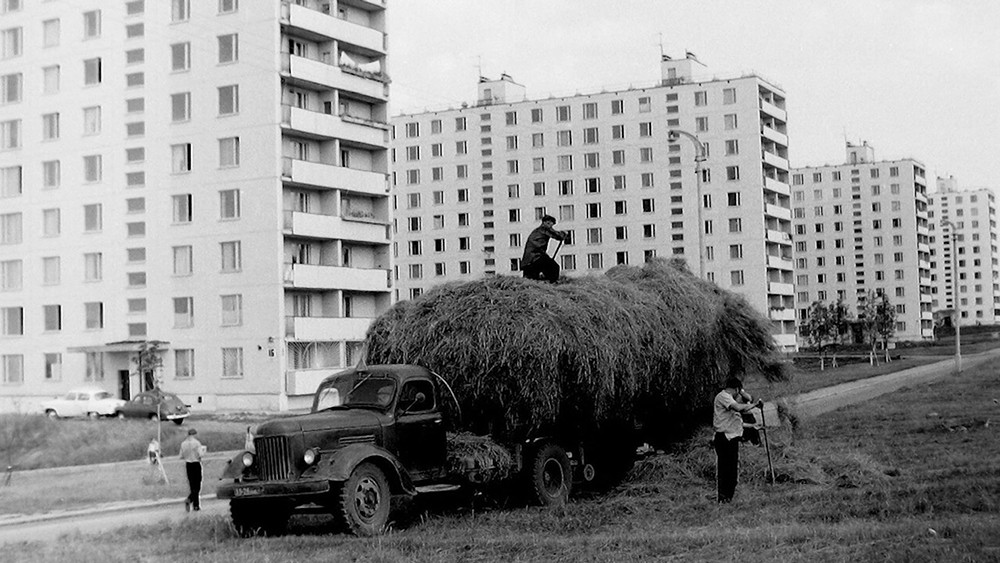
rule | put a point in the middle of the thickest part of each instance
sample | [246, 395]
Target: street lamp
[954, 287]
[699, 157]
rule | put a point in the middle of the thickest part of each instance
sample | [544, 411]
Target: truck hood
[343, 420]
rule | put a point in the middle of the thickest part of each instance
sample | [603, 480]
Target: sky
[914, 78]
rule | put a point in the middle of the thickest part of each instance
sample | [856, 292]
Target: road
[48, 526]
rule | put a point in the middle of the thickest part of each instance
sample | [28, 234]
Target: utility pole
[699, 158]
[954, 289]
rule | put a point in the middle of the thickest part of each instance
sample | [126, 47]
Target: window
[10, 134]
[564, 138]
[93, 315]
[13, 368]
[701, 98]
[510, 118]
[50, 33]
[183, 312]
[92, 168]
[11, 275]
[617, 107]
[591, 160]
[229, 99]
[180, 107]
[13, 321]
[92, 120]
[732, 172]
[229, 152]
[593, 210]
[184, 363]
[10, 43]
[10, 88]
[701, 124]
[228, 6]
[729, 121]
[232, 362]
[228, 48]
[646, 129]
[180, 158]
[10, 228]
[567, 213]
[180, 57]
[92, 218]
[646, 154]
[50, 79]
[51, 270]
[231, 254]
[10, 181]
[735, 251]
[92, 71]
[646, 180]
[180, 10]
[563, 113]
[565, 187]
[644, 105]
[590, 110]
[729, 96]
[735, 225]
[52, 317]
[51, 222]
[732, 147]
[736, 277]
[617, 131]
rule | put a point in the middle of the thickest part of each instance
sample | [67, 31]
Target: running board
[439, 488]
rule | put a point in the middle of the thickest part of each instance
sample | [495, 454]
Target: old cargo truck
[384, 430]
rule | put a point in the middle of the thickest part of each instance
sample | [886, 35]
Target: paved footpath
[49, 526]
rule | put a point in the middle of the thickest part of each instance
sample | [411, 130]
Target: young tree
[147, 360]
[885, 323]
[840, 324]
[869, 319]
[819, 330]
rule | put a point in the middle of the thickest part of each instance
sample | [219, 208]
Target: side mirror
[418, 399]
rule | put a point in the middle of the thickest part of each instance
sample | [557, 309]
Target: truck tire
[365, 501]
[258, 518]
[551, 477]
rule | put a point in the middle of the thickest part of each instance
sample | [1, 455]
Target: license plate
[248, 491]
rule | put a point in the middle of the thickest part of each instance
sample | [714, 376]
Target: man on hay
[536, 264]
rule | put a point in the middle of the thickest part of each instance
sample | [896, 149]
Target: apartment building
[208, 175]
[963, 239]
[862, 226]
[471, 182]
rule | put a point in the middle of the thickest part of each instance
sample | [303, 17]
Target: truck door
[420, 430]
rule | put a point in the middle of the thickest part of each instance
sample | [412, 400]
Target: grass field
[911, 476]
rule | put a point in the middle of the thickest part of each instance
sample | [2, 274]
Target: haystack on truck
[451, 418]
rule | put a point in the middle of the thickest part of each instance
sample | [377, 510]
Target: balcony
[777, 236]
[320, 175]
[312, 225]
[311, 22]
[305, 381]
[781, 314]
[785, 341]
[321, 74]
[317, 125]
[774, 160]
[777, 186]
[923, 247]
[771, 109]
[778, 211]
[774, 135]
[779, 263]
[314, 276]
[326, 328]
[778, 288]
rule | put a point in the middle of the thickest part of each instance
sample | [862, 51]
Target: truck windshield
[355, 390]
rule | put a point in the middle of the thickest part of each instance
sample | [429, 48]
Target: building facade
[963, 227]
[470, 183]
[862, 227]
[209, 175]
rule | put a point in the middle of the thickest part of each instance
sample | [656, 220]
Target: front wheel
[178, 421]
[551, 477]
[51, 413]
[152, 416]
[252, 518]
[364, 501]
[120, 415]
[93, 415]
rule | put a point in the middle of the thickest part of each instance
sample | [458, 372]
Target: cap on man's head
[192, 432]
[734, 383]
[548, 219]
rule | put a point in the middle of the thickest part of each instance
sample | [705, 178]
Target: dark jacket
[538, 243]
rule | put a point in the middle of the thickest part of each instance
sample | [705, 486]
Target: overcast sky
[914, 78]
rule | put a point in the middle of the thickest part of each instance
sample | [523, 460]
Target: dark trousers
[728, 453]
[543, 267]
[194, 483]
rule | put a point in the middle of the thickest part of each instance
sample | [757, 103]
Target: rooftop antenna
[661, 45]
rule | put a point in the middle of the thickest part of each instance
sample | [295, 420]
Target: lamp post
[954, 286]
[699, 157]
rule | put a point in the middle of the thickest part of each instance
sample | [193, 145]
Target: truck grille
[274, 457]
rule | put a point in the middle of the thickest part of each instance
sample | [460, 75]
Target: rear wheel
[178, 421]
[51, 413]
[550, 477]
[259, 518]
[120, 415]
[93, 415]
[364, 501]
[152, 416]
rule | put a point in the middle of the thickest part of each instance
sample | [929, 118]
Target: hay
[639, 345]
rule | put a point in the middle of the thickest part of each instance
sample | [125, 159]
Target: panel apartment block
[209, 175]
[862, 227]
[470, 183]
[963, 227]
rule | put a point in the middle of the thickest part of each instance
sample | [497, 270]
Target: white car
[90, 402]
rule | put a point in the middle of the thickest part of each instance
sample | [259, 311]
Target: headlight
[310, 456]
[247, 459]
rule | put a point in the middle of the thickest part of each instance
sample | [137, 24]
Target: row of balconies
[328, 278]
[309, 21]
[347, 228]
[329, 176]
[773, 135]
[321, 75]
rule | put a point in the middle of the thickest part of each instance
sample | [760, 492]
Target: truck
[375, 432]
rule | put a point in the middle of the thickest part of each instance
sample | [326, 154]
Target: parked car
[144, 405]
[92, 402]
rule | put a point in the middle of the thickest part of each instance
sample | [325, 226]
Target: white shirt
[725, 418]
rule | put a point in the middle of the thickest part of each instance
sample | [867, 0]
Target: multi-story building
[211, 176]
[963, 226]
[471, 182]
[862, 227]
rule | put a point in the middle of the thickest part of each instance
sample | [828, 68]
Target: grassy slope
[910, 476]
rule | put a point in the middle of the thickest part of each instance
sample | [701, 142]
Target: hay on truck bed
[643, 345]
